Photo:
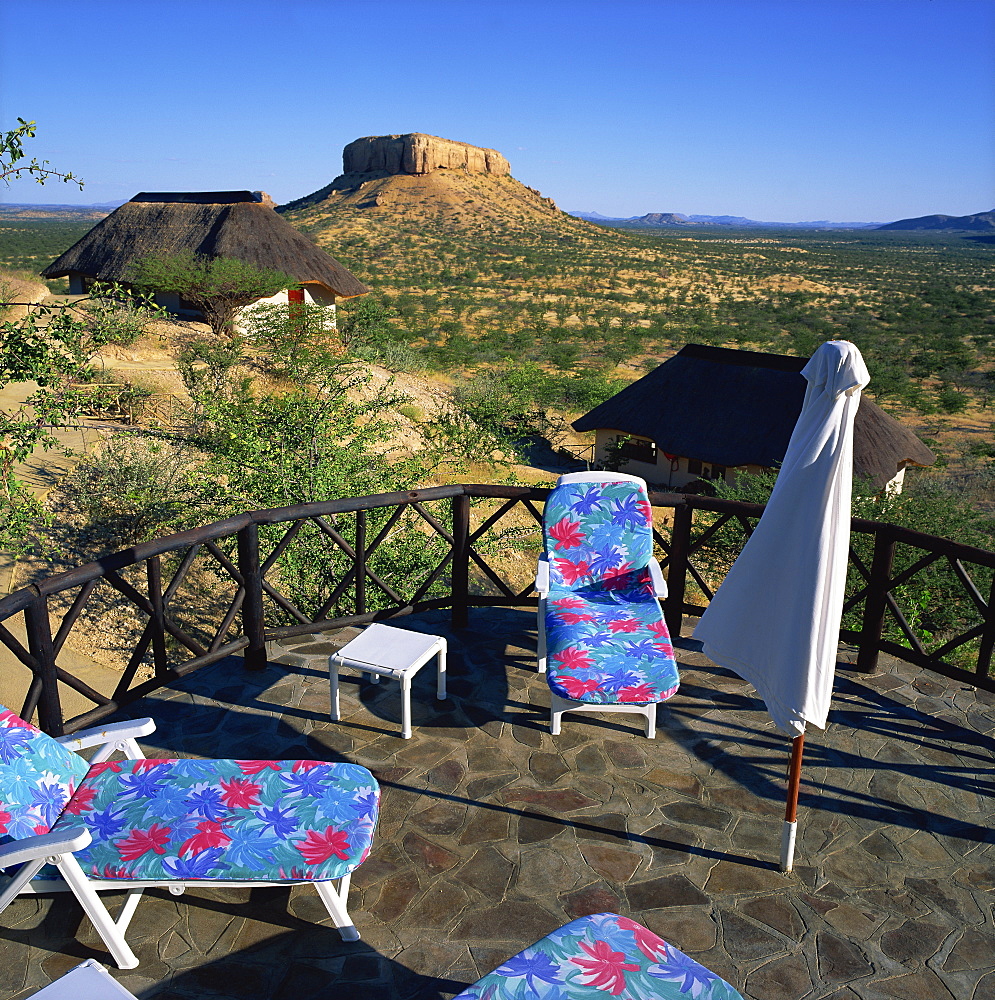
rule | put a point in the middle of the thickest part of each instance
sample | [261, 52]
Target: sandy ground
[42, 472]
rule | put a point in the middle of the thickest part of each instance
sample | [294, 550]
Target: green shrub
[367, 321]
[934, 601]
[22, 518]
[290, 336]
[392, 356]
[115, 315]
[219, 286]
[134, 488]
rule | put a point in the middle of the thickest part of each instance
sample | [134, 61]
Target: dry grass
[487, 260]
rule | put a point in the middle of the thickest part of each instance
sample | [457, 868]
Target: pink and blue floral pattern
[603, 954]
[607, 641]
[224, 819]
[188, 819]
[38, 776]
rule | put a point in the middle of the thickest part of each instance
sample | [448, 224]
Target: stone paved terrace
[493, 833]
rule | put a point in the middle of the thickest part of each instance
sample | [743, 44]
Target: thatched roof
[736, 408]
[236, 224]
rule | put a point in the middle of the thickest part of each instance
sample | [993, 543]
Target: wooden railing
[201, 595]
[921, 598]
[126, 404]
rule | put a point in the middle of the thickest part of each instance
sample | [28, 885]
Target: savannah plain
[477, 278]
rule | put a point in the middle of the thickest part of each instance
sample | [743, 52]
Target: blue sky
[789, 110]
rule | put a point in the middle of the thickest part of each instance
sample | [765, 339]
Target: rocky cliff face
[417, 153]
[418, 183]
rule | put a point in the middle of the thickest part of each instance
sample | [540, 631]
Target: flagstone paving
[492, 833]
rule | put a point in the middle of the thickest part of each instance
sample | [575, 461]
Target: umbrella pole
[791, 810]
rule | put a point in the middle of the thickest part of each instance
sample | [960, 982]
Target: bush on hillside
[524, 400]
[934, 601]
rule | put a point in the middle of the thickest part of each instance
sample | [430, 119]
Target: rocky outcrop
[417, 180]
[417, 153]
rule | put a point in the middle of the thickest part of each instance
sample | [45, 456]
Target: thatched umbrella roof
[238, 224]
[735, 408]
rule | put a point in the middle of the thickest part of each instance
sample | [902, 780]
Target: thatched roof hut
[712, 408]
[238, 224]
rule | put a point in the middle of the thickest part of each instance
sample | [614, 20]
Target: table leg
[406, 706]
[333, 687]
[440, 691]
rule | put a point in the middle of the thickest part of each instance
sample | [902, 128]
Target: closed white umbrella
[775, 620]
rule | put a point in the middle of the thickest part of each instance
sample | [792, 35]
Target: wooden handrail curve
[455, 575]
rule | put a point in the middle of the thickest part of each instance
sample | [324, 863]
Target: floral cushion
[38, 776]
[596, 531]
[224, 819]
[603, 954]
[608, 647]
[607, 642]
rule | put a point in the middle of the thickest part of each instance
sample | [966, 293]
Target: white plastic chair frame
[33, 853]
[558, 704]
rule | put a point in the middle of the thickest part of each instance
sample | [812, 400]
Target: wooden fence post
[158, 623]
[360, 562]
[988, 635]
[39, 631]
[461, 561]
[875, 602]
[253, 625]
[680, 546]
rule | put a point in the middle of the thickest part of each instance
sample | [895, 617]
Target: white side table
[89, 981]
[384, 651]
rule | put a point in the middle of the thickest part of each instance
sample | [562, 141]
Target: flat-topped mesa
[417, 153]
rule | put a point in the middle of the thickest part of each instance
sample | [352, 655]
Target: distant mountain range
[983, 221]
[64, 213]
[676, 219]
[20, 208]
[980, 221]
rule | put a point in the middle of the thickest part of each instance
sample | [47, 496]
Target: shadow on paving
[477, 694]
[480, 693]
[290, 958]
[928, 749]
[236, 730]
[290, 966]
[492, 833]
